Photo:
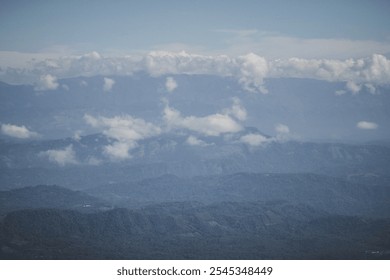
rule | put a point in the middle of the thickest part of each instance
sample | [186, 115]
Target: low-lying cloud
[228, 121]
[256, 139]
[170, 84]
[61, 157]
[125, 131]
[193, 141]
[282, 129]
[253, 139]
[15, 131]
[47, 82]
[108, 84]
[366, 125]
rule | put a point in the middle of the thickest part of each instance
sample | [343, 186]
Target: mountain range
[193, 167]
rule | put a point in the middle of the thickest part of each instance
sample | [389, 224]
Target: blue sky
[348, 42]
[201, 26]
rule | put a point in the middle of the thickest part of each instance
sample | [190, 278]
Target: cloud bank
[249, 70]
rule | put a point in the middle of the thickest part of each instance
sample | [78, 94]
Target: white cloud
[237, 110]
[282, 133]
[340, 92]
[170, 84]
[366, 125]
[77, 135]
[353, 87]
[92, 56]
[193, 141]
[124, 127]
[46, 82]
[119, 150]
[62, 157]
[125, 130]
[210, 125]
[17, 131]
[253, 139]
[252, 70]
[282, 129]
[108, 84]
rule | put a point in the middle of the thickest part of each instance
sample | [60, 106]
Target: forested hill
[273, 230]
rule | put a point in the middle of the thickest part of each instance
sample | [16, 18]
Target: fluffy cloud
[282, 133]
[210, 125]
[124, 127]
[366, 125]
[108, 84]
[46, 82]
[353, 87]
[253, 139]
[193, 141]
[237, 110]
[17, 131]
[62, 157]
[252, 70]
[119, 150]
[125, 130]
[170, 84]
[92, 56]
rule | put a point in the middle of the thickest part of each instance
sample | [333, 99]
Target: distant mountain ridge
[47, 197]
[26, 163]
[325, 193]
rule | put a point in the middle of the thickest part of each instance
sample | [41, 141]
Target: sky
[345, 41]
[269, 28]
